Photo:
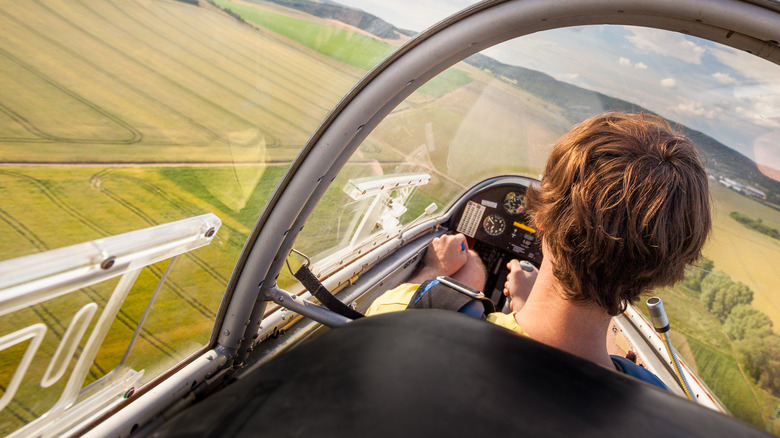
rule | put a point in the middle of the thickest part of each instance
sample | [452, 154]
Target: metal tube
[661, 324]
[676, 366]
[306, 308]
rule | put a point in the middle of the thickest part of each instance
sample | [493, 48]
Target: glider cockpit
[350, 157]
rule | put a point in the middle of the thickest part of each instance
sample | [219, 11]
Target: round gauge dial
[514, 203]
[494, 225]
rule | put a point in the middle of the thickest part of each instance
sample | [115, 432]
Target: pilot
[623, 208]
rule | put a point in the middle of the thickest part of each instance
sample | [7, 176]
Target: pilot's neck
[572, 326]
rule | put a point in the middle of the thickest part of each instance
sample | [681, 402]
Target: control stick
[526, 266]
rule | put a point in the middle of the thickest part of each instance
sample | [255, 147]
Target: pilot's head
[623, 207]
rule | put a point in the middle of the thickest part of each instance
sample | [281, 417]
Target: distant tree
[726, 299]
[694, 274]
[706, 266]
[719, 294]
[692, 283]
[772, 196]
[746, 321]
[756, 224]
[760, 358]
[711, 284]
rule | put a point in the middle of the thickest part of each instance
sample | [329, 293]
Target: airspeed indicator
[494, 225]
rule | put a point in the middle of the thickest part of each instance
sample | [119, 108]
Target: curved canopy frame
[750, 26]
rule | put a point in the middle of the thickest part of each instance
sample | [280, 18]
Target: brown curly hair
[623, 207]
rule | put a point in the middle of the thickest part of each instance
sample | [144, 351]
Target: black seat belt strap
[313, 285]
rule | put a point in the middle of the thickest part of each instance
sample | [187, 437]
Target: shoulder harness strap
[447, 294]
[310, 282]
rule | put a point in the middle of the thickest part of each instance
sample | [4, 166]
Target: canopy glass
[500, 111]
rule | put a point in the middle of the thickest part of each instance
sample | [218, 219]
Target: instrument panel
[497, 225]
[496, 217]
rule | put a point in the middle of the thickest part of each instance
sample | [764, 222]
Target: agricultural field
[332, 39]
[745, 254]
[448, 136]
[157, 85]
[338, 43]
[142, 113]
[183, 313]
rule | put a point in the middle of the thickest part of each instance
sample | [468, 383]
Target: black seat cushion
[432, 373]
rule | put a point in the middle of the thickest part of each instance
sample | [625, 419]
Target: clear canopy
[500, 111]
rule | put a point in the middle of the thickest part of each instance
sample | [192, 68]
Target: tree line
[755, 224]
[757, 344]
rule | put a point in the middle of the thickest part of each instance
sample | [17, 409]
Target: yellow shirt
[399, 298]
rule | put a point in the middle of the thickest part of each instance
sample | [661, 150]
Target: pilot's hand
[473, 273]
[446, 254]
[518, 284]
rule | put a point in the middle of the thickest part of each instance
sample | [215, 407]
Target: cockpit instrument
[514, 203]
[494, 225]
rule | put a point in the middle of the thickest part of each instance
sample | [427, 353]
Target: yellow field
[127, 199]
[745, 254]
[155, 81]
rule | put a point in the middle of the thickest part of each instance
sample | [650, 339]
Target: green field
[449, 80]
[127, 199]
[344, 45]
[340, 44]
[748, 256]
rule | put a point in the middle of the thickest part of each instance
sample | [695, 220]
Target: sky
[730, 95]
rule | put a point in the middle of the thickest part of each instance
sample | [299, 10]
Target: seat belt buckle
[460, 287]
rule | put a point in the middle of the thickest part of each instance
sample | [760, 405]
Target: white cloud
[625, 62]
[664, 83]
[723, 78]
[745, 64]
[667, 44]
[756, 86]
[763, 110]
[760, 94]
[697, 109]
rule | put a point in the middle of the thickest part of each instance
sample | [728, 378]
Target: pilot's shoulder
[506, 320]
[630, 368]
[394, 300]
